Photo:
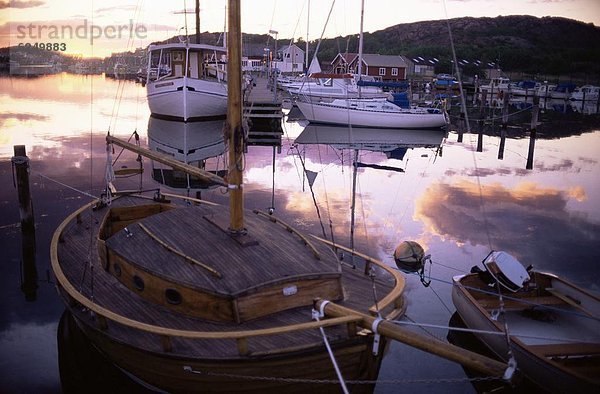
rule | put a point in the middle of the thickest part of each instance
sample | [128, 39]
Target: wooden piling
[20, 162]
[532, 134]
[505, 105]
[480, 138]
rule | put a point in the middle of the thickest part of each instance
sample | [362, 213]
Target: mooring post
[504, 126]
[482, 103]
[480, 138]
[532, 134]
[461, 126]
[20, 161]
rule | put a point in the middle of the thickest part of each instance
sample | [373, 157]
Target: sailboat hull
[364, 117]
[301, 371]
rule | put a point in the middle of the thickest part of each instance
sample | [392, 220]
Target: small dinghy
[553, 326]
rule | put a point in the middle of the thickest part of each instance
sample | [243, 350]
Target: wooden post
[461, 126]
[426, 343]
[480, 138]
[20, 162]
[532, 134]
[505, 104]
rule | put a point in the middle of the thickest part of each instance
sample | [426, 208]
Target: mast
[307, 25]
[197, 21]
[353, 206]
[234, 118]
[360, 42]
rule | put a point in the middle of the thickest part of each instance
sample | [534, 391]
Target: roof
[376, 60]
[345, 57]
[284, 48]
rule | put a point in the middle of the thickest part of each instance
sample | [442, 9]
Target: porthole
[117, 269]
[138, 283]
[173, 296]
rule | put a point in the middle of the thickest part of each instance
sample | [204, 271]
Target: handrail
[170, 332]
[393, 295]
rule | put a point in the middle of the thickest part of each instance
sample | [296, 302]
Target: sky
[98, 28]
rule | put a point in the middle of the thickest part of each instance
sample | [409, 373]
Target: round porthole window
[173, 296]
[117, 269]
[138, 282]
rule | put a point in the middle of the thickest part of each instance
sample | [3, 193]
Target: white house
[290, 59]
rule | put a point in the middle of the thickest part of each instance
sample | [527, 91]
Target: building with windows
[384, 67]
[290, 59]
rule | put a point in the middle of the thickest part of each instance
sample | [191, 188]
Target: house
[340, 63]
[385, 67]
[290, 59]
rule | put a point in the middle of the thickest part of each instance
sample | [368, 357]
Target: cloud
[528, 221]
[22, 117]
[21, 4]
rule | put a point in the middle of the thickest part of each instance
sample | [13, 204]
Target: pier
[262, 108]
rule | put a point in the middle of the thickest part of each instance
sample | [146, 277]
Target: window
[395, 71]
[173, 296]
[138, 283]
[381, 70]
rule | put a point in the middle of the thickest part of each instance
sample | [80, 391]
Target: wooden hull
[576, 369]
[290, 372]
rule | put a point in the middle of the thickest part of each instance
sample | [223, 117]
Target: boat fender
[409, 256]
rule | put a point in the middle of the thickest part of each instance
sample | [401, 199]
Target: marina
[206, 224]
[420, 213]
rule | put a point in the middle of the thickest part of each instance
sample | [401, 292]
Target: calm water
[457, 204]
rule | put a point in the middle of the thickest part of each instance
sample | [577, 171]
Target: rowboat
[553, 326]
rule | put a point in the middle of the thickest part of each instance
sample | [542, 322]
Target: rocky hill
[547, 45]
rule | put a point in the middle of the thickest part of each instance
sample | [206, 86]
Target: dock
[262, 107]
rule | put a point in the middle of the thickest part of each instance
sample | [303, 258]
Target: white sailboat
[391, 112]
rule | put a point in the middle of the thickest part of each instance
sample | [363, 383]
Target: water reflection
[191, 143]
[530, 220]
[547, 216]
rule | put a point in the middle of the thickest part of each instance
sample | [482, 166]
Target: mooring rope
[316, 316]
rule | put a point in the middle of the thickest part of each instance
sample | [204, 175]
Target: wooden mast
[234, 118]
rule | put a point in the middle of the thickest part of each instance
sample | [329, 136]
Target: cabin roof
[280, 255]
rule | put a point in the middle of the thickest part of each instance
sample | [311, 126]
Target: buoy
[409, 256]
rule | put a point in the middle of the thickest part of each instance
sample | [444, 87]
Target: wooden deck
[240, 274]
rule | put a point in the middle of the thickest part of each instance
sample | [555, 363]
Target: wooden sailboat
[204, 298]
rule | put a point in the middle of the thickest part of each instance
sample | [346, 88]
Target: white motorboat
[563, 91]
[545, 90]
[180, 86]
[586, 93]
[553, 326]
[525, 88]
[496, 85]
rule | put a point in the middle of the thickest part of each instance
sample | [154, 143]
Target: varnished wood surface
[73, 255]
